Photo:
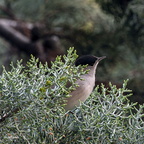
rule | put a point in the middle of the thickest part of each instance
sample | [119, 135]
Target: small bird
[86, 85]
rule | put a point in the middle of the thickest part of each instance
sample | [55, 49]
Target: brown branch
[16, 23]
[15, 33]
[16, 38]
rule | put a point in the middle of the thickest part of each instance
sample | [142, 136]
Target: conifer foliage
[32, 100]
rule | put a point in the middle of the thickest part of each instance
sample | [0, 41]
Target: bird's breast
[85, 88]
[82, 92]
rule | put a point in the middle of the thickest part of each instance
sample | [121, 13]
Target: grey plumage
[87, 84]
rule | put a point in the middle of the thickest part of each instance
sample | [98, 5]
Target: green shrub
[32, 100]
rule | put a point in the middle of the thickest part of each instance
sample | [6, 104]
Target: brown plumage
[86, 85]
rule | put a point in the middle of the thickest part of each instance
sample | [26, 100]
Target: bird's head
[89, 60]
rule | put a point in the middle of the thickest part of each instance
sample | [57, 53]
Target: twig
[9, 114]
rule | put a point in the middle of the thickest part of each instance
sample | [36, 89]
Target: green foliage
[28, 10]
[32, 100]
[77, 14]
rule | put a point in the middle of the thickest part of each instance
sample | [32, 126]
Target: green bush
[32, 100]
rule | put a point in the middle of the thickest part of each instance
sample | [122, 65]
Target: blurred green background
[114, 28]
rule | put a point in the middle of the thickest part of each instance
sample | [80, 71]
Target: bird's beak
[100, 58]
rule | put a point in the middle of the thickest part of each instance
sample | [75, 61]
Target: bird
[86, 83]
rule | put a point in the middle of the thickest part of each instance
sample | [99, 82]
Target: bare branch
[15, 37]
[27, 37]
